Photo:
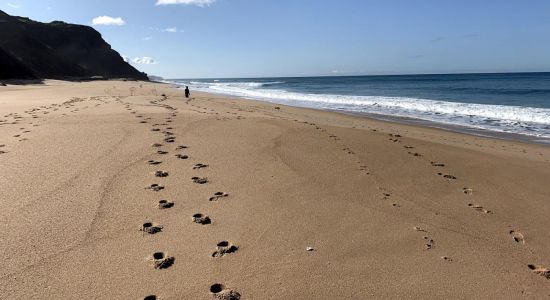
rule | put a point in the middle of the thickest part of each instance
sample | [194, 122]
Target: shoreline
[311, 204]
[478, 132]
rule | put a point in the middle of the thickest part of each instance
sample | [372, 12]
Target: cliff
[57, 50]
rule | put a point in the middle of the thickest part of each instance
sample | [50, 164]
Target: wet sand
[263, 201]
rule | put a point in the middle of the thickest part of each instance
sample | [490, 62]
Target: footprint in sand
[155, 129]
[161, 174]
[408, 147]
[517, 236]
[164, 204]
[154, 162]
[201, 219]
[170, 139]
[479, 208]
[467, 191]
[155, 187]
[435, 164]
[418, 228]
[430, 243]
[217, 196]
[447, 176]
[156, 145]
[540, 270]
[199, 180]
[162, 261]
[150, 228]
[446, 258]
[223, 248]
[364, 169]
[199, 166]
[162, 152]
[415, 154]
[182, 156]
[348, 150]
[220, 292]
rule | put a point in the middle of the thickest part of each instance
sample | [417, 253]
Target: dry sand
[365, 195]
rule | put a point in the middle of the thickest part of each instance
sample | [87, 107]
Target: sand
[313, 204]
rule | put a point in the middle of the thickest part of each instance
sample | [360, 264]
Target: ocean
[515, 103]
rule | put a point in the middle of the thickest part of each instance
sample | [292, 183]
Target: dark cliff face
[30, 50]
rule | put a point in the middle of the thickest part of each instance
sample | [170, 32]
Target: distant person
[187, 92]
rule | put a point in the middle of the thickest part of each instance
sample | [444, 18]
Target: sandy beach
[294, 203]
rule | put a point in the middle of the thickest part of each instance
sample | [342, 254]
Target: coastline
[390, 210]
[481, 132]
[413, 125]
[500, 103]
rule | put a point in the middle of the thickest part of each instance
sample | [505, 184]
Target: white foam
[242, 85]
[517, 119]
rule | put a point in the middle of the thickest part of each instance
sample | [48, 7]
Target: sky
[268, 38]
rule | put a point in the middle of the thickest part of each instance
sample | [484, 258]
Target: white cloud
[106, 20]
[14, 6]
[186, 2]
[125, 58]
[147, 38]
[144, 60]
[170, 29]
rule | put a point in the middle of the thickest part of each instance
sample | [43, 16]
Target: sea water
[517, 103]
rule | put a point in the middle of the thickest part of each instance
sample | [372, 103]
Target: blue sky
[257, 38]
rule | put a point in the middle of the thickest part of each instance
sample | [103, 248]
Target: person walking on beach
[187, 92]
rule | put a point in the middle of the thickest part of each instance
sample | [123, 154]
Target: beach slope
[261, 200]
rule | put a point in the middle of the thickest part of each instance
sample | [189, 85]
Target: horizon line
[361, 75]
